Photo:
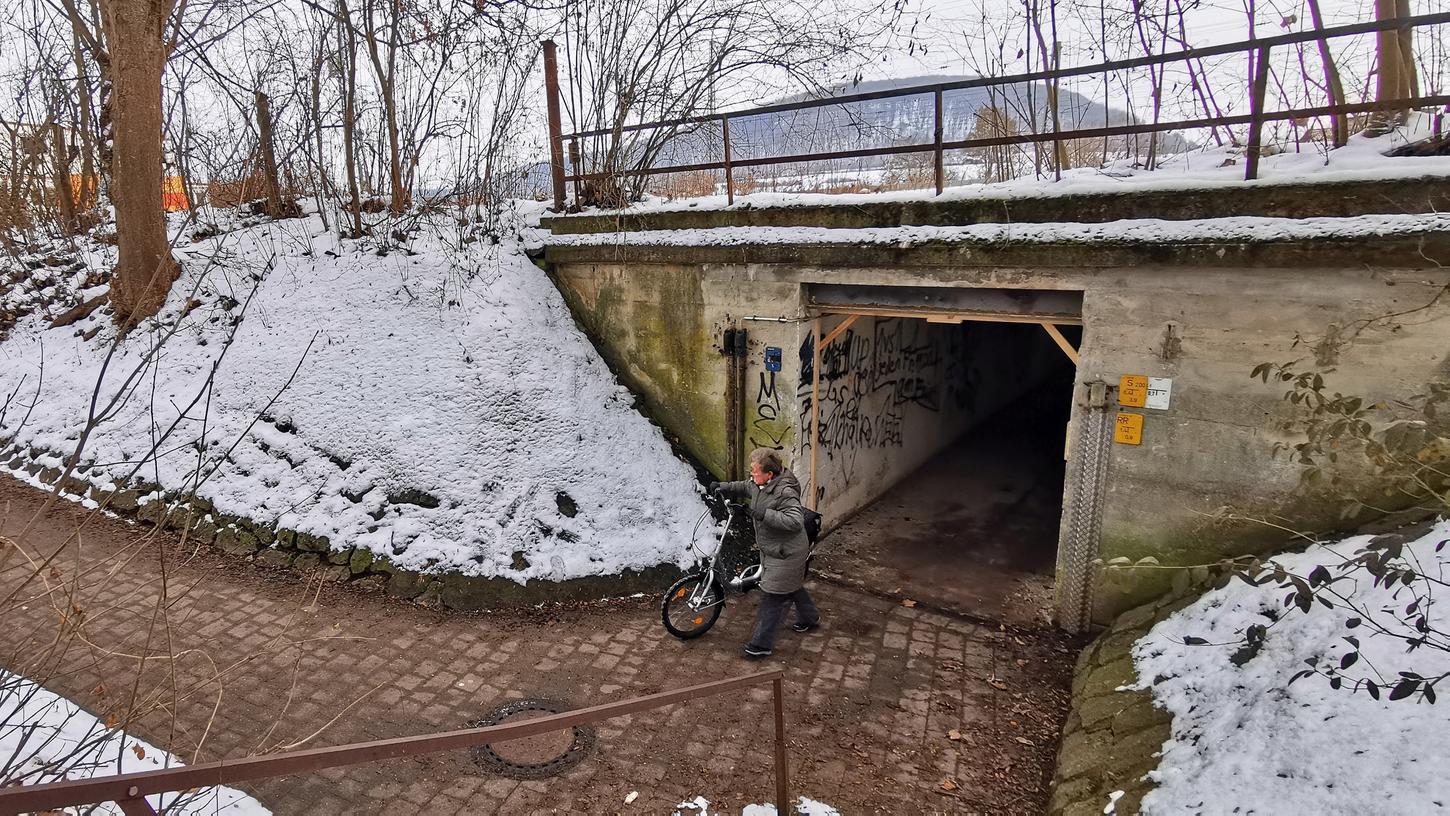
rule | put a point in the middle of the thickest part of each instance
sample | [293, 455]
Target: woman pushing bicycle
[774, 495]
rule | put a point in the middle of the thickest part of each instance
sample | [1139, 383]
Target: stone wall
[1112, 736]
[268, 546]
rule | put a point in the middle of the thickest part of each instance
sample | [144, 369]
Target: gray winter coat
[780, 532]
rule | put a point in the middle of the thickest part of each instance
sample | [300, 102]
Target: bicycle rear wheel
[685, 620]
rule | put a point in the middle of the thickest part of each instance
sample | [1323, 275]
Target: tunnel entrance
[939, 443]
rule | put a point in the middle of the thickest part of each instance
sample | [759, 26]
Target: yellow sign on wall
[1133, 390]
[1128, 429]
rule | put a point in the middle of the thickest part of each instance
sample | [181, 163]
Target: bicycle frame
[702, 590]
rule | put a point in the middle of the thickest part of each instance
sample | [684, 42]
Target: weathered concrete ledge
[1392, 251]
[1268, 199]
[268, 546]
[1112, 737]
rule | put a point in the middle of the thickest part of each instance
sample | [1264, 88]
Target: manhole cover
[532, 757]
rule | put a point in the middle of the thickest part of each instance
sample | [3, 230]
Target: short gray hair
[769, 460]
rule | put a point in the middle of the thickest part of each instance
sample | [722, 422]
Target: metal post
[556, 127]
[574, 164]
[815, 407]
[729, 177]
[135, 805]
[742, 356]
[940, 161]
[1082, 521]
[732, 407]
[1257, 98]
[782, 782]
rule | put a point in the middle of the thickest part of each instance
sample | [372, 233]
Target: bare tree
[639, 60]
[136, 31]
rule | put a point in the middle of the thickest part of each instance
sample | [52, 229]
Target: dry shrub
[687, 185]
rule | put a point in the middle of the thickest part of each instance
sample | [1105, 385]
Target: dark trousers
[772, 610]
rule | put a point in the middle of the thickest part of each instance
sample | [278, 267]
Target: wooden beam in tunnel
[815, 406]
[940, 316]
[838, 331]
[1061, 342]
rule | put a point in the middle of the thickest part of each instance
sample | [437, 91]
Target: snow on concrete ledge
[1143, 230]
[1210, 168]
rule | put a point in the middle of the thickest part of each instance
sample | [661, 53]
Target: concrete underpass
[941, 447]
[921, 381]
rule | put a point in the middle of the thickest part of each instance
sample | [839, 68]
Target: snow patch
[47, 738]
[1243, 739]
[433, 403]
[700, 806]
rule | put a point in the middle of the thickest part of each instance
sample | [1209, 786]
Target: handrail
[1255, 119]
[1028, 138]
[1036, 76]
[129, 790]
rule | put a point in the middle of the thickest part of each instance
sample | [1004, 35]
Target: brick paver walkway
[873, 697]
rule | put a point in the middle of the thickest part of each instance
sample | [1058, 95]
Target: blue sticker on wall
[772, 358]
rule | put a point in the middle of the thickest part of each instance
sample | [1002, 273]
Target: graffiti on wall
[767, 426]
[874, 381]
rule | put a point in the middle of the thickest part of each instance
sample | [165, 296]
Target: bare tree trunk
[1338, 123]
[269, 156]
[400, 199]
[64, 201]
[1107, 94]
[1390, 83]
[348, 42]
[1409, 76]
[145, 269]
[1063, 161]
[323, 189]
[87, 194]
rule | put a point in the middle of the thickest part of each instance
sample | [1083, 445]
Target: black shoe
[802, 627]
[756, 653]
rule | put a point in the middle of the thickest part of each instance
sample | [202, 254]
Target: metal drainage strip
[581, 746]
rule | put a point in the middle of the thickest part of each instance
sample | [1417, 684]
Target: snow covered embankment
[445, 411]
[1245, 740]
[47, 738]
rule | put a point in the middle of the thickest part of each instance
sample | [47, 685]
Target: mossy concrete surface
[652, 328]
[1202, 314]
[1112, 736]
[1265, 199]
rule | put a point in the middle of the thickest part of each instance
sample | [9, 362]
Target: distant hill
[898, 120]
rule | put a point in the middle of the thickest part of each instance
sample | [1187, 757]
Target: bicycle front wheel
[690, 609]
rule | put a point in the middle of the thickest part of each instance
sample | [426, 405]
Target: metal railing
[129, 790]
[1258, 115]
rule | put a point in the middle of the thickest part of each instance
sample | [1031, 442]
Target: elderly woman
[774, 495]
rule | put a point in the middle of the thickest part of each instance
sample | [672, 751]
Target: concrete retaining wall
[1202, 314]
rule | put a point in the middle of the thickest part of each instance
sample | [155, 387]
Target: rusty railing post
[729, 176]
[574, 163]
[556, 127]
[1257, 104]
[135, 804]
[782, 782]
[938, 134]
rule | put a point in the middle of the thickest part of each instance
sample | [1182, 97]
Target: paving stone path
[268, 659]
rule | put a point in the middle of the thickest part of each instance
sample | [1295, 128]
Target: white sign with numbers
[1160, 389]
